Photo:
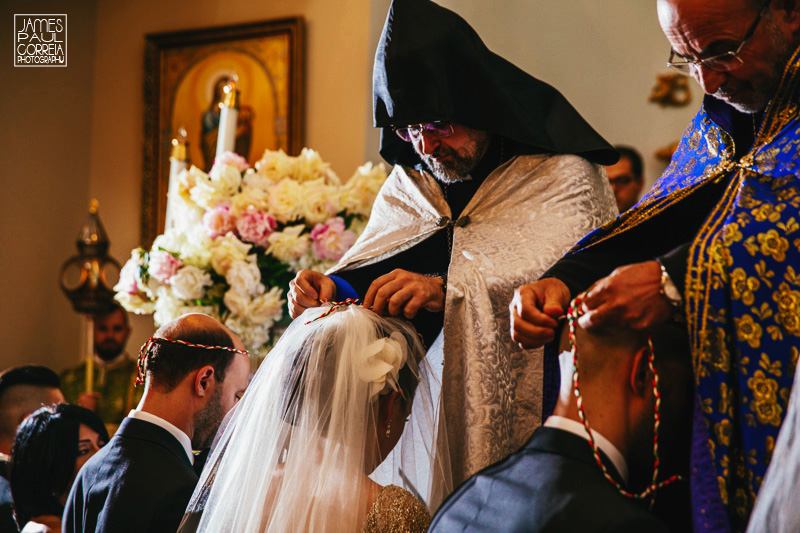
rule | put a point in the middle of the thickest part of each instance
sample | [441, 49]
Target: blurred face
[700, 29]
[110, 335]
[89, 443]
[626, 186]
[225, 396]
[452, 158]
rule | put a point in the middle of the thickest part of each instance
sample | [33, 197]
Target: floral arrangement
[239, 236]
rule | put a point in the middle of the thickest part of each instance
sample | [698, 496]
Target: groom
[143, 478]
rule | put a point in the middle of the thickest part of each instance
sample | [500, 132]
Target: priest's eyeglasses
[435, 129]
[721, 62]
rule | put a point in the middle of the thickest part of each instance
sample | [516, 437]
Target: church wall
[44, 171]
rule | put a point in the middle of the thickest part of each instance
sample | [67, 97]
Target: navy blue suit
[141, 480]
[552, 484]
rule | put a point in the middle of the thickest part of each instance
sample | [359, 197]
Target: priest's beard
[749, 97]
[207, 421]
[463, 160]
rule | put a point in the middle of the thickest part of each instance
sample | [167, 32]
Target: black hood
[431, 65]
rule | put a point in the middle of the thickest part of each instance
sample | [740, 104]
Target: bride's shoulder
[397, 510]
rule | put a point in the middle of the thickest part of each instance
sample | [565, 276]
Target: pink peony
[232, 159]
[331, 240]
[163, 265]
[256, 226]
[218, 221]
[129, 278]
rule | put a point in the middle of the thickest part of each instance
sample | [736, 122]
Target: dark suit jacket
[552, 484]
[141, 480]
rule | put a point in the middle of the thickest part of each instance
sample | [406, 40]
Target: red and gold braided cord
[141, 364]
[573, 313]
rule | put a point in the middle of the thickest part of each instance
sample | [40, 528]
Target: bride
[327, 407]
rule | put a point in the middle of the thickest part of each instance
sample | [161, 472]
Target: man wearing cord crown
[194, 371]
[722, 222]
[495, 172]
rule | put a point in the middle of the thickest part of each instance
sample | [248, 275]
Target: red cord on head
[334, 307]
[573, 312]
[141, 363]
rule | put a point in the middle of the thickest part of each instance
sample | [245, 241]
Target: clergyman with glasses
[716, 242]
[496, 175]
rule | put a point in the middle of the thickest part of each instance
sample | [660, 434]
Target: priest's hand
[535, 311]
[403, 292]
[309, 289]
[629, 297]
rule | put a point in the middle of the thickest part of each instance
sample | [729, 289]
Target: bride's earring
[388, 427]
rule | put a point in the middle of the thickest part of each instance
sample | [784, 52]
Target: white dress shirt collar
[182, 437]
[605, 445]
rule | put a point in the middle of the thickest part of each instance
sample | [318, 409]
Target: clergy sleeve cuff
[343, 289]
[676, 261]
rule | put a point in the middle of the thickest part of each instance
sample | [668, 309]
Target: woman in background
[51, 445]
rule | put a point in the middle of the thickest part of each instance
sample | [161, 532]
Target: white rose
[171, 241]
[226, 250]
[189, 283]
[253, 336]
[320, 202]
[379, 363]
[207, 194]
[310, 166]
[360, 191]
[249, 197]
[266, 308]
[286, 201]
[288, 244]
[244, 277]
[237, 303]
[226, 179]
[135, 303]
[275, 165]
[167, 307]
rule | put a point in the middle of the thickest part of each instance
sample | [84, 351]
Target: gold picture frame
[184, 72]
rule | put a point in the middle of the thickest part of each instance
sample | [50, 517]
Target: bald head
[604, 352]
[169, 363]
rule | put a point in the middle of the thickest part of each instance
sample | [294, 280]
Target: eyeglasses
[721, 62]
[435, 129]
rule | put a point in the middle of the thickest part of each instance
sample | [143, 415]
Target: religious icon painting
[185, 74]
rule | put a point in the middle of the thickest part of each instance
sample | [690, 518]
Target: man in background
[626, 177]
[143, 478]
[23, 390]
[114, 394]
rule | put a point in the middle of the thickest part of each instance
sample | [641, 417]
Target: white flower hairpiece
[379, 363]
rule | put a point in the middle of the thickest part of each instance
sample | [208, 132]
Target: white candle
[229, 113]
[178, 162]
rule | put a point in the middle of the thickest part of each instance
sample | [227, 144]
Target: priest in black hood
[496, 175]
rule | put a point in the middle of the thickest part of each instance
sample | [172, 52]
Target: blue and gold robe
[741, 292]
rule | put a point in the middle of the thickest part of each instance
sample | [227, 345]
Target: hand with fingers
[535, 310]
[309, 289]
[401, 292]
[630, 297]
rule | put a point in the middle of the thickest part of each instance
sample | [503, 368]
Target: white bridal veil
[297, 449]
